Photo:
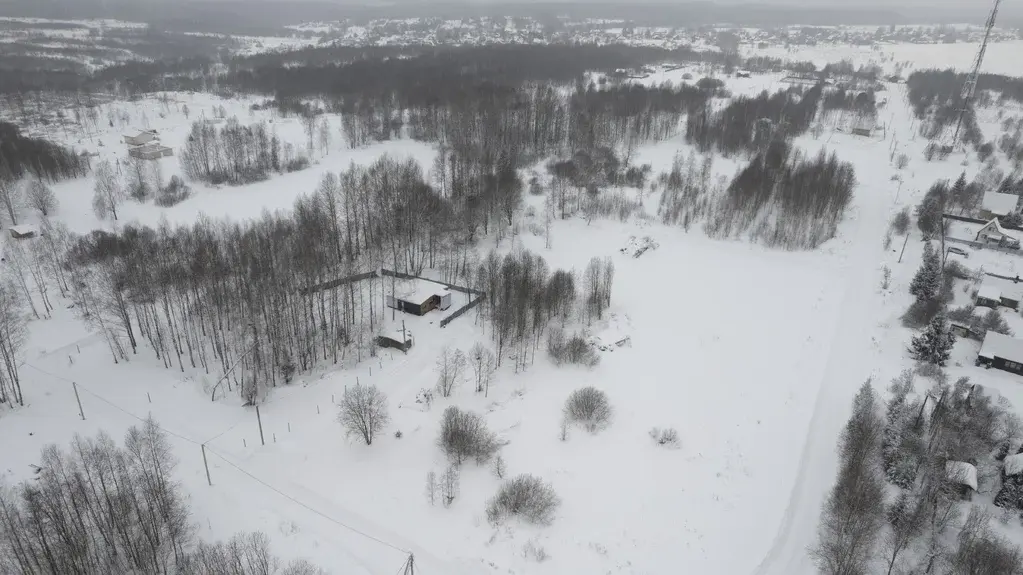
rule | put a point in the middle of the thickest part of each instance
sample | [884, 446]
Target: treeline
[236, 154]
[862, 102]
[781, 198]
[221, 297]
[21, 156]
[750, 124]
[935, 96]
[101, 508]
[907, 468]
[445, 72]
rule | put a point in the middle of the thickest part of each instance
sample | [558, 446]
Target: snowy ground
[752, 354]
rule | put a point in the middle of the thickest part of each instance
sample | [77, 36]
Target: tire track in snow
[844, 372]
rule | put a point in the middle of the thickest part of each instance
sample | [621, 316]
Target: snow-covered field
[752, 354]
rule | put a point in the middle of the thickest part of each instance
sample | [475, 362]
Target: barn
[1001, 352]
[419, 297]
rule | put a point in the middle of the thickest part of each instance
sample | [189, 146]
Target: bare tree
[449, 485]
[109, 192]
[325, 137]
[527, 497]
[41, 197]
[906, 519]
[450, 368]
[484, 364]
[431, 487]
[363, 411]
[12, 339]
[10, 196]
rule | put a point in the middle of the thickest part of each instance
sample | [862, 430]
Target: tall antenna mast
[970, 87]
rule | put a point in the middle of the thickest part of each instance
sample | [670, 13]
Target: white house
[996, 204]
[994, 234]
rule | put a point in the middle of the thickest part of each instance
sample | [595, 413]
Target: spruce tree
[926, 284]
[934, 345]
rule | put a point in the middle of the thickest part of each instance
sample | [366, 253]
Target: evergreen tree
[935, 344]
[926, 284]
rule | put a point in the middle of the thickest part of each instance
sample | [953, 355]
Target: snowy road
[849, 365]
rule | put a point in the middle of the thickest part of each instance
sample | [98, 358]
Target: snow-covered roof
[1002, 346]
[996, 226]
[1009, 289]
[962, 473]
[1014, 464]
[23, 229]
[1000, 204]
[418, 291]
[989, 291]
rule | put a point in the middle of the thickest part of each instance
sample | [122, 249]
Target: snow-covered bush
[526, 497]
[464, 435]
[590, 408]
[175, 192]
[666, 437]
[573, 350]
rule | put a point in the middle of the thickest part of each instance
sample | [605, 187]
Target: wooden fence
[337, 282]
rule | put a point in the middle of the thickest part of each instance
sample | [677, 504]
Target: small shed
[153, 151]
[998, 204]
[140, 138]
[864, 126]
[400, 339]
[23, 231]
[963, 476]
[989, 296]
[743, 74]
[1001, 352]
[994, 234]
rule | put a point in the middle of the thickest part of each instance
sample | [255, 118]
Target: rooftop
[1014, 464]
[416, 291]
[1000, 204]
[989, 291]
[1002, 346]
[1008, 289]
[962, 473]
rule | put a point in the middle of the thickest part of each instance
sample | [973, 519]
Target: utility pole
[410, 565]
[207, 464]
[404, 338]
[79, 399]
[260, 421]
[904, 246]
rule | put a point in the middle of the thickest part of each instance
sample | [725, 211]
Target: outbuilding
[152, 151]
[23, 231]
[400, 339]
[996, 291]
[998, 204]
[963, 477]
[140, 138]
[1001, 352]
[419, 297]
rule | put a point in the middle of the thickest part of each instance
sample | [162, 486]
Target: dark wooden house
[1001, 352]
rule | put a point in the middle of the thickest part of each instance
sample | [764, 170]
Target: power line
[225, 459]
[307, 507]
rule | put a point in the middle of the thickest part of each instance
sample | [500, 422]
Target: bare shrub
[900, 222]
[464, 435]
[590, 408]
[666, 437]
[526, 497]
[574, 350]
[535, 552]
[901, 161]
[363, 411]
[431, 487]
[449, 485]
[175, 192]
[886, 277]
[302, 567]
[500, 469]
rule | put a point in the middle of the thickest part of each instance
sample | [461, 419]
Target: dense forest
[21, 156]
